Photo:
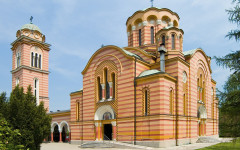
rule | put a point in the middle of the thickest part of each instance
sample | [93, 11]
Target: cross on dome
[31, 18]
[152, 2]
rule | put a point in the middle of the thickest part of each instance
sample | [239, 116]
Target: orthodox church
[151, 92]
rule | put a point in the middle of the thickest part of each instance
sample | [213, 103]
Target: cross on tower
[31, 18]
[152, 2]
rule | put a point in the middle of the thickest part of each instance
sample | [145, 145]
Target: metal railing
[107, 140]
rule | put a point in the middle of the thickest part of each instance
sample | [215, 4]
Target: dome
[31, 27]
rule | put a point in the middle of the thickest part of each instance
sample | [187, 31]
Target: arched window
[107, 116]
[77, 110]
[36, 60]
[152, 35]
[36, 90]
[145, 102]
[184, 105]
[140, 37]
[113, 85]
[171, 101]
[99, 86]
[40, 61]
[17, 80]
[212, 94]
[173, 41]
[107, 91]
[203, 92]
[181, 42]
[18, 59]
[32, 59]
[163, 39]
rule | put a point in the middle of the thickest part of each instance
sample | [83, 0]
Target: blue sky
[77, 28]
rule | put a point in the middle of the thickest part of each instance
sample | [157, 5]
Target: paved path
[66, 146]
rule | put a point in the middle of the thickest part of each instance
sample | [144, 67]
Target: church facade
[151, 92]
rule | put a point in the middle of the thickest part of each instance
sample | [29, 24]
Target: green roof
[190, 52]
[132, 54]
[148, 72]
[31, 27]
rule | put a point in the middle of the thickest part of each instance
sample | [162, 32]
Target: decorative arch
[175, 23]
[129, 29]
[152, 19]
[166, 19]
[53, 126]
[102, 110]
[62, 124]
[138, 22]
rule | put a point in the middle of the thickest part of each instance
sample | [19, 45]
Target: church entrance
[56, 134]
[107, 131]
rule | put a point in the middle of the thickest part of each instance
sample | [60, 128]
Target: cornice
[29, 68]
[153, 8]
[159, 75]
[76, 93]
[178, 59]
[27, 40]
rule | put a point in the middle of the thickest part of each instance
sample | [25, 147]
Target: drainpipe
[135, 84]
[82, 116]
[162, 50]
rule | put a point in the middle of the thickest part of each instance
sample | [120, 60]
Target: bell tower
[30, 55]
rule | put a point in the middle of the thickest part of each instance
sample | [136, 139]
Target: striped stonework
[31, 46]
[149, 107]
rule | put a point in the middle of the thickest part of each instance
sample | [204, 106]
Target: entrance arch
[55, 132]
[105, 123]
[64, 131]
[99, 114]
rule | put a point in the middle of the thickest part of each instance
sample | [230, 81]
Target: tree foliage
[22, 113]
[230, 96]
[8, 136]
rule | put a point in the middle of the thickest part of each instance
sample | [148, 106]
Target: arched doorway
[65, 131]
[107, 132]
[63, 134]
[56, 134]
[105, 123]
[202, 116]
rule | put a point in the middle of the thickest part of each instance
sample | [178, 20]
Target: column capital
[110, 84]
[113, 123]
[103, 86]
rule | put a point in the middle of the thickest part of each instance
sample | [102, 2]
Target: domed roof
[31, 26]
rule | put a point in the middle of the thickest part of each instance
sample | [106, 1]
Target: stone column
[100, 131]
[96, 131]
[134, 36]
[111, 89]
[114, 131]
[69, 136]
[103, 91]
[51, 136]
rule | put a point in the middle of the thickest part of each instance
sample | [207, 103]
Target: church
[151, 92]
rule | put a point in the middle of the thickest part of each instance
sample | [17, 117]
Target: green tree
[8, 136]
[22, 113]
[230, 96]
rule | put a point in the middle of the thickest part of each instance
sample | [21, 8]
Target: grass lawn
[224, 146]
